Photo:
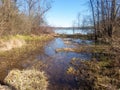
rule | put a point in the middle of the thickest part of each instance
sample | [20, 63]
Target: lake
[75, 31]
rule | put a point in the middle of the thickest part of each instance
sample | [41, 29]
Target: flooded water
[54, 63]
[58, 62]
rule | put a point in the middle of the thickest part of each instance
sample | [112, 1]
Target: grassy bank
[15, 57]
[100, 73]
[81, 36]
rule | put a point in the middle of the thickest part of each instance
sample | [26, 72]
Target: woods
[18, 17]
[106, 14]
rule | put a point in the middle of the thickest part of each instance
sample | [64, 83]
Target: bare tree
[14, 18]
[105, 16]
[78, 18]
[94, 21]
[37, 10]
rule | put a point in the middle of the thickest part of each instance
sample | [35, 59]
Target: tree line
[106, 18]
[22, 16]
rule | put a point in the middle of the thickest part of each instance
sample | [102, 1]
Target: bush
[27, 80]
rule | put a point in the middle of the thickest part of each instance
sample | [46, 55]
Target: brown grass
[27, 80]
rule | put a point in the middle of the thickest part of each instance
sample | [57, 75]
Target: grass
[32, 42]
[27, 80]
[26, 37]
[95, 75]
[84, 37]
[34, 37]
[100, 73]
[87, 48]
[14, 57]
[3, 87]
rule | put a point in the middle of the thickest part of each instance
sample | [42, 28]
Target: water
[58, 62]
[54, 63]
[75, 31]
[50, 49]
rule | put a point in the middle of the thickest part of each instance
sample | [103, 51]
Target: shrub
[27, 80]
[95, 75]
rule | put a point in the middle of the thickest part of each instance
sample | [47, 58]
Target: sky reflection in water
[58, 62]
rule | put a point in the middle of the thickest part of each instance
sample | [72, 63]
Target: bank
[15, 50]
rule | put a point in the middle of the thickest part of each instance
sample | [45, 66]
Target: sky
[64, 12]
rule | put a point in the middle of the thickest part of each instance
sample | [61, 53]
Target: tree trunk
[93, 14]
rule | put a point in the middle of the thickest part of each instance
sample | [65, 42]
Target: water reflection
[82, 42]
[50, 49]
[58, 62]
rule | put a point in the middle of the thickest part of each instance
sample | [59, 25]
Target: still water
[58, 62]
[54, 63]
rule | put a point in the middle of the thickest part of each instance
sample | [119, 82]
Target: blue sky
[64, 12]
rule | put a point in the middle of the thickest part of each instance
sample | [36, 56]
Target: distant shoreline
[88, 27]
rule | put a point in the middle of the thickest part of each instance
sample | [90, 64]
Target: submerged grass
[87, 49]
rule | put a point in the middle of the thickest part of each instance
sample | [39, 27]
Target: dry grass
[10, 44]
[95, 75]
[27, 80]
[77, 50]
[3, 87]
[86, 48]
